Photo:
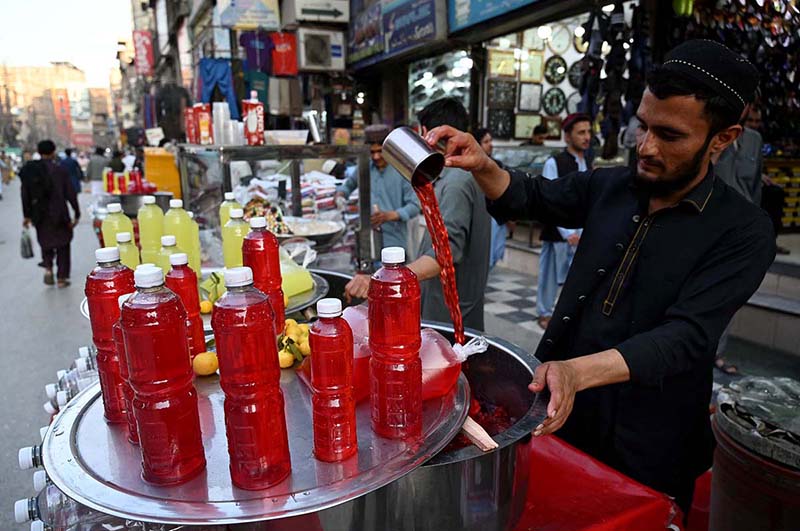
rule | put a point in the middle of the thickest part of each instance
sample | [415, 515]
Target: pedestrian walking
[46, 190]
[97, 162]
[73, 169]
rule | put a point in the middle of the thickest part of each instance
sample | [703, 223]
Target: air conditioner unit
[320, 50]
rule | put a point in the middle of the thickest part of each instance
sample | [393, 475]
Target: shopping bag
[25, 245]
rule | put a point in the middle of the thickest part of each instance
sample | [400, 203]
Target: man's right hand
[26, 222]
[357, 288]
[462, 150]
[574, 239]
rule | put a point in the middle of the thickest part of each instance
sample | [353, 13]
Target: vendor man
[668, 254]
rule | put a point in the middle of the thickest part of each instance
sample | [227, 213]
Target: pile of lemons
[293, 344]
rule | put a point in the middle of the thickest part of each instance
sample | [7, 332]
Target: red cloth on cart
[570, 490]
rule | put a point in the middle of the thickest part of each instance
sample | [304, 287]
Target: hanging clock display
[560, 39]
[555, 70]
[575, 74]
[554, 101]
[573, 101]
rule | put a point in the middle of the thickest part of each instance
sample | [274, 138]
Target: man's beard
[683, 175]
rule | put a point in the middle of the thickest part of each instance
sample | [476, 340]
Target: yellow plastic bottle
[225, 208]
[194, 253]
[233, 234]
[178, 223]
[151, 228]
[168, 247]
[128, 252]
[114, 223]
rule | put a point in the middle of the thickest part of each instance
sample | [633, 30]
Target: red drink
[394, 338]
[183, 281]
[441, 246]
[250, 377]
[334, 408]
[127, 390]
[260, 253]
[160, 373]
[104, 285]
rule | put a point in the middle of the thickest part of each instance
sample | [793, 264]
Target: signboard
[250, 14]
[143, 47]
[366, 34]
[465, 13]
[294, 11]
[408, 24]
[82, 140]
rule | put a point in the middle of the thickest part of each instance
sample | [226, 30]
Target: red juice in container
[333, 404]
[249, 375]
[205, 128]
[394, 339]
[104, 285]
[119, 344]
[253, 112]
[190, 124]
[182, 280]
[160, 373]
[260, 253]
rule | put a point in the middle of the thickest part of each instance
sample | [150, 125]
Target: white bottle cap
[106, 254]
[178, 259]
[49, 409]
[83, 352]
[25, 458]
[37, 525]
[149, 200]
[148, 277]
[329, 308]
[229, 196]
[176, 203]
[113, 208]
[43, 431]
[62, 398]
[50, 390]
[393, 255]
[82, 364]
[238, 276]
[254, 95]
[39, 480]
[168, 240]
[60, 374]
[21, 511]
[237, 213]
[123, 237]
[258, 222]
[191, 214]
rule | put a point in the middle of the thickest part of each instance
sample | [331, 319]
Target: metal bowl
[334, 231]
[132, 202]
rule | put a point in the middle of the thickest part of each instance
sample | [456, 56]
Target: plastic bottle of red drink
[394, 339]
[260, 253]
[127, 390]
[333, 405]
[104, 285]
[249, 375]
[160, 373]
[183, 281]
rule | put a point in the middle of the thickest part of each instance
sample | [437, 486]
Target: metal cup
[412, 156]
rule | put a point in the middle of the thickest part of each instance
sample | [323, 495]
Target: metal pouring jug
[410, 155]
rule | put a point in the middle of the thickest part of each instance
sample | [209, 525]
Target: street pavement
[41, 329]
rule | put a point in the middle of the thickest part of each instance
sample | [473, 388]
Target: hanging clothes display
[217, 73]
[258, 48]
[284, 54]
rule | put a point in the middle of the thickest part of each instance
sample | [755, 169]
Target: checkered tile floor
[511, 296]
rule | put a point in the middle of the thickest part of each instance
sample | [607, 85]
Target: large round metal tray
[93, 463]
[298, 303]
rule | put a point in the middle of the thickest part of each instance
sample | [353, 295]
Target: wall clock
[575, 74]
[560, 39]
[554, 101]
[555, 70]
[573, 101]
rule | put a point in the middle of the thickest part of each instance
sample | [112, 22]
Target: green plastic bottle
[225, 208]
[168, 247]
[178, 223]
[194, 251]
[114, 223]
[233, 234]
[151, 228]
[128, 252]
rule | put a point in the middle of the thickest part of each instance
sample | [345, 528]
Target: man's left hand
[380, 217]
[561, 378]
[357, 288]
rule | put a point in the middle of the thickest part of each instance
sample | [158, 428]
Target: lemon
[290, 322]
[205, 363]
[206, 306]
[285, 359]
[305, 348]
[294, 331]
[304, 328]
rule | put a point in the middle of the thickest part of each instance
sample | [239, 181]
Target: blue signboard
[366, 32]
[408, 24]
[465, 13]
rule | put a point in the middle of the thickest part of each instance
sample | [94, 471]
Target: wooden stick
[478, 435]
